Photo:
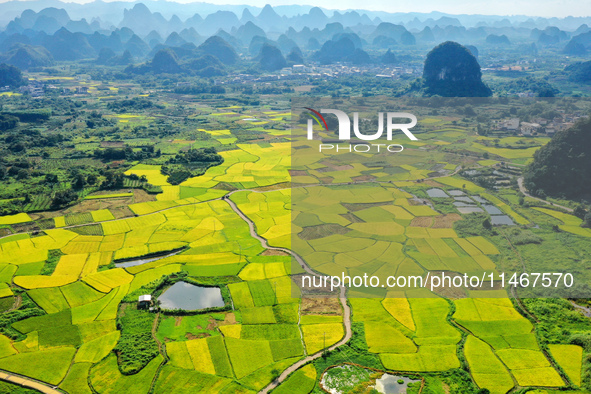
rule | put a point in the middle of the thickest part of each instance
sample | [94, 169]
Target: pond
[388, 384]
[492, 210]
[133, 263]
[469, 209]
[501, 220]
[190, 297]
[438, 193]
[456, 193]
[479, 199]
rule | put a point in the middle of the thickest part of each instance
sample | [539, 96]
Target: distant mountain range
[272, 36]
[113, 13]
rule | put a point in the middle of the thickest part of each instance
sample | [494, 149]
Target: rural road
[304, 265]
[523, 190]
[23, 381]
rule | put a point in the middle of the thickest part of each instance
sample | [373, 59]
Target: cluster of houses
[34, 88]
[538, 126]
[300, 71]
[38, 89]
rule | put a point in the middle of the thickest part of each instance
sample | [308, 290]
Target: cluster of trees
[540, 87]
[193, 162]
[562, 167]
[579, 72]
[11, 76]
[136, 104]
[127, 153]
[8, 122]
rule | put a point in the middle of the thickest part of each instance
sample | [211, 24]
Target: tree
[11, 76]
[63, 198]
[23, 173]
[78, 182]
[487, 224]
[8, 122]
[580, 211]
[51, 178]
[114, 180]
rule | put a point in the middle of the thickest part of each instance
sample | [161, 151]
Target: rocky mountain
[27, 56]
[388, 58]
[165, 61]
[271, 58]
[217, 47]
[247, 31]
[342, 50]
[494, 39]
[65, 45]
[452, 71]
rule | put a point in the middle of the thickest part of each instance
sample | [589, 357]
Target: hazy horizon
[541, 8]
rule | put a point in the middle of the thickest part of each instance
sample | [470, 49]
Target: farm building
[144, 301]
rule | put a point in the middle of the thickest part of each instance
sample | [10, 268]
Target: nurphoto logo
[344, 130]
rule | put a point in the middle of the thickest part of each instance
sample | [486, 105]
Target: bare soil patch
[422, 221]
[321, 231]
[446, 221]
[321, 306]
[363, 178]
[273, 252]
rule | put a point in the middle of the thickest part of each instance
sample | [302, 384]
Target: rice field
[367, 217]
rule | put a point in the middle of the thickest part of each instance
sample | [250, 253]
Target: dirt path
[523, 190]
[23, 381]
[304, 265]
[17, 304]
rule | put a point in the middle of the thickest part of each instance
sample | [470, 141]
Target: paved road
[28, 382]
[306, 267]
[525, 193]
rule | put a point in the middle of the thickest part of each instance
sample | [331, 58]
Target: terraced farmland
[77, 324]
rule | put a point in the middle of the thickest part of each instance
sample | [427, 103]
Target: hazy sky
[546, 8]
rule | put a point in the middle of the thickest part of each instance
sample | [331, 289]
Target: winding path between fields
[306, 267]
[24, 381]
[523, 190]
[49, 389]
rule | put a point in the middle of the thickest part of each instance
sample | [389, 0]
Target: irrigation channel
[305, 267]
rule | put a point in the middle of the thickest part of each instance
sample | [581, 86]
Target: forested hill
[563, 166]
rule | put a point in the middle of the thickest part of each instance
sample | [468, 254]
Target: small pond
[479, 199]
[501, 220]
[463, 204]
[438, 193]
[464, 199]
[190, 297]
[456, 193]
[133, 263]
[492, 210]
[473, 209]
[388, 384]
